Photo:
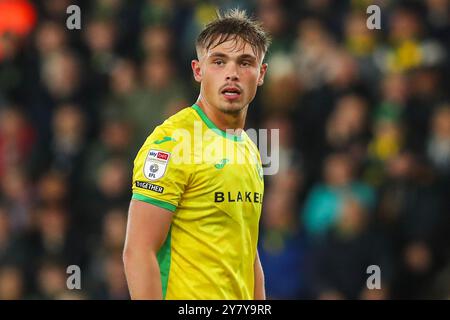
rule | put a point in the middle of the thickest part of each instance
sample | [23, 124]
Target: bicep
[148, 226]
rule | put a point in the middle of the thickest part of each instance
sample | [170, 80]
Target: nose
[232, 72]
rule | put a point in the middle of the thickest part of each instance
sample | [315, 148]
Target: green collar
[213, 127]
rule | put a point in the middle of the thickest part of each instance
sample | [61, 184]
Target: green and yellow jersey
[213, 183]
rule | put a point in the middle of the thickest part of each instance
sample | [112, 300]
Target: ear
[262, 73]
[196, 70]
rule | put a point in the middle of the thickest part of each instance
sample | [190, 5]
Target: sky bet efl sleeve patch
[156, 164]
[155, 179]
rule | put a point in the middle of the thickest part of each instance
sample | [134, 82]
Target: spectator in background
[51, 280]
[438, 155]
[322, 205]
[52, 188]
[125, 86]
[408, 46]
[61, 76]
[283, 82]
[343, 74]
[65, 151]
[11, 283]
[111, 189]
[101, 38]
[156, 40]
[115, 285]
[274, 19]
[425, 94]
[394, 94]
[411, 212]
[50, 38]
[17, 198]
[111, 184]
[107, 260]
[314, 50]
[338, 264]
[338, 77]
[163, 91]
[11, 69]
[345, 129]
[191, 25]
[282, 244]
[359, 40]
[115, 141]
[286, 154]
[53, 236]
[386, 143]
[12, 246]
[361, 43]
[17, 136]
[17, 21]
[440, 288]
[438, 142]
[157, 12]
[114, 227]
[61, 82]
[144, 105]
[438, 17]
[69, 127]
[387, 118]
[54, 9]
[125, 101]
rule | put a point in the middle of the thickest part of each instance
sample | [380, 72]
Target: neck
[224, 121]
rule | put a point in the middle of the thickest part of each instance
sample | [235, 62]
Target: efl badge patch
[155, 164]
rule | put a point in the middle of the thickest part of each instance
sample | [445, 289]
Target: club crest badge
[156, 164]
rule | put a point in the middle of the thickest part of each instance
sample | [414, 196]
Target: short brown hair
[233, 25]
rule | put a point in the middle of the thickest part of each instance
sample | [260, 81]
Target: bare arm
[147, 230]
[260, 291]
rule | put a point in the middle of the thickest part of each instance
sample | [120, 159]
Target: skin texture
[147, 229]
[259, 291]
[231, 64]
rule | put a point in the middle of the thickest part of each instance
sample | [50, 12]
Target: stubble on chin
[231, 109]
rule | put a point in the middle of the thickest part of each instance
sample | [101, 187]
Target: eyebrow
[241, 57]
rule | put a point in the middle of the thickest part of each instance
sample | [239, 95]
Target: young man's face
[229, 75]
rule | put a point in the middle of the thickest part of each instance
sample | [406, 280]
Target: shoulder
[250, 142]
[182, 119]
[172, 139]
[165, 132]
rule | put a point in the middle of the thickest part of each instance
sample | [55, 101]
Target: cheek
[251, 76]
[252, 92]
[208, 80]
[251, 80]
[210, 83]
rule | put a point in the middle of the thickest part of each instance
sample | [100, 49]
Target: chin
[232, 110]
[234, 107]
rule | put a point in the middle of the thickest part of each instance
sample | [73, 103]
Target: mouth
[231, 93]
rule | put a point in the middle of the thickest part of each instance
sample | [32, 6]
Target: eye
[218, 62]
[246, 63]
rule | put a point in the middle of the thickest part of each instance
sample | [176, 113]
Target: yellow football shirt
[213, 182]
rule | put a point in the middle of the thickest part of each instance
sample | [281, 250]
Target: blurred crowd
[364, 120]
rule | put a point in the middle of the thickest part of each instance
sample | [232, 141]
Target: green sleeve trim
[164, 259]
[213, 127]
[156, 202]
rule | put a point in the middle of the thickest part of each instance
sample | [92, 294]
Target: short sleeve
[158, 178]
